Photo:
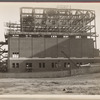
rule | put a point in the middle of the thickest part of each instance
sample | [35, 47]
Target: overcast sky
[11, 12]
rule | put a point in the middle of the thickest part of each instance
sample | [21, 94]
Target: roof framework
[57, 20]
[54, 21]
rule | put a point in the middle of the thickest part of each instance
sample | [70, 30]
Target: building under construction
[51, 39]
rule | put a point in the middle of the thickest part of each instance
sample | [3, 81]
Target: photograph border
[53, 97]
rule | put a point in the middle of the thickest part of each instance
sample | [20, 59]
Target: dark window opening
[13, 65]
[52, 65]
[35, 36]
[65, 65]
[60, 36]
[17, 65]
[57, 65]
[39, 65]
[77, 64]
[29, 67]
[30, 64]
[43, 65]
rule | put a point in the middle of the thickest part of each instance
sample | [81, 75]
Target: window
[29, 67]
[13, 65]
[15, 54]
[30, 64]
[26, 64]
[60, 36]
[39, 11]
[43, 65]
[53, 36]
[56, 65]
[26, 10]
[65, 65]
[52, 65]
[17, 65]
[39, 65]
[65, 36]
[47, 36]
[68, 65]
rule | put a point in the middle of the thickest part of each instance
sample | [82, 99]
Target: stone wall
[54, 74]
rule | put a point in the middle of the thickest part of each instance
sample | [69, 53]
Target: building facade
[40, 40]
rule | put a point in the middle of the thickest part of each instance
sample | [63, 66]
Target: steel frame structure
[54, 21]
[57, 20]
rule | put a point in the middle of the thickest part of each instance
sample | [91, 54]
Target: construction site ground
[88, 84]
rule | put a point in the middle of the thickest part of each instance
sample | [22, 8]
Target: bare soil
[75, 85]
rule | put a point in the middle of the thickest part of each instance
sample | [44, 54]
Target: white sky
[11, 12]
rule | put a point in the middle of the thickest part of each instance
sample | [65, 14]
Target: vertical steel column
[95, 33]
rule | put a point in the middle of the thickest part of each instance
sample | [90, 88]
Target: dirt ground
[81, 84]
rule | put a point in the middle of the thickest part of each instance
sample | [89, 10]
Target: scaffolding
[3, 51]
[48, 21]
[57, 20]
